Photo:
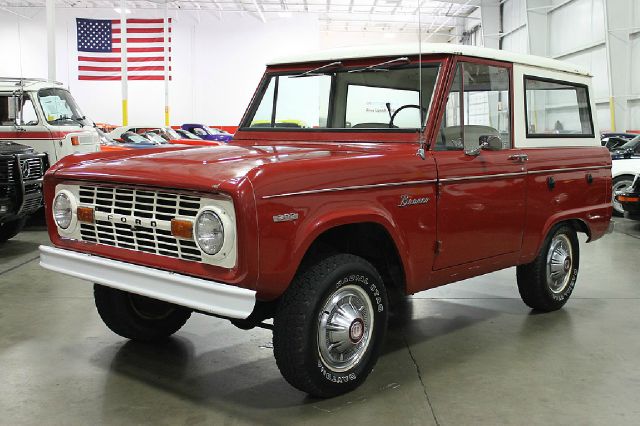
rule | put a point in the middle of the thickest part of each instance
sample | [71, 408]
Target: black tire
[137, 317]
[296, 340]
[10, 229]
[619, 183]
[537, 290]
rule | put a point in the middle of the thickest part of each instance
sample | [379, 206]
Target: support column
[538, 26]
[491, 23]
[50, 7]
[618, 24]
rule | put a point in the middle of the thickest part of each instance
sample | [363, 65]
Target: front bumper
[195, 293]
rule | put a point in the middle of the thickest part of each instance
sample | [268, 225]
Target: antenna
[421, 141]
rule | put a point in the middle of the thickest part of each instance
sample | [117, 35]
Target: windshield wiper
[75, 120]
[316, 71]
[384, 66]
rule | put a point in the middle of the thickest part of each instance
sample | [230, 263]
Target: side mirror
[488, 142]
[13, 108]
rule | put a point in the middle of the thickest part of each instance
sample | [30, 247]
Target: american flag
[99, 49]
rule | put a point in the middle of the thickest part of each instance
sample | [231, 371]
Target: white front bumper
[195, 293]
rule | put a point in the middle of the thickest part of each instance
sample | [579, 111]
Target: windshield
[135, 138]
[367, 98]
[172, 133]
[188, 135]
[59, 107]
[155, 137]
[631, 144]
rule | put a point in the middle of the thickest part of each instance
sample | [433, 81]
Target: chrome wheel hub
[559, 263]
[345, 326]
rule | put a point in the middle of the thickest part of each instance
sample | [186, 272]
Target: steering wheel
[393, 116]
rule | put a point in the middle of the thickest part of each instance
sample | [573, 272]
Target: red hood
[201, 168]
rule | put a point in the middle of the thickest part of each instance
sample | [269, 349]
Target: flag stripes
[100, 49]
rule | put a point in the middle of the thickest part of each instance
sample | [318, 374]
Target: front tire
[330, 325]
[137, 317]
[9, 230]
[547, 283]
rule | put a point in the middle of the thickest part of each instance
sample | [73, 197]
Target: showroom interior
[184, 120]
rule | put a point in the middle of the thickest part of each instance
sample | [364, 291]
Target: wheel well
[579, 226]
[370, 241]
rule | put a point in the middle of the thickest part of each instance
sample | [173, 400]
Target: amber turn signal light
[182, 229]
[85, 214]
[75, 141]
[627, 199]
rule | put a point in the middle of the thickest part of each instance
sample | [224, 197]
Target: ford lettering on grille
[138, 219]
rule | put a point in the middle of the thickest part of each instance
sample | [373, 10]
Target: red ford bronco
[354, 174]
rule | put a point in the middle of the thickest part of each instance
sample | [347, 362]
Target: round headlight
[209, 232]
[62, 210]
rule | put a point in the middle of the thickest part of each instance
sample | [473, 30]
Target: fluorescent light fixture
[126, 11]
[285, 14]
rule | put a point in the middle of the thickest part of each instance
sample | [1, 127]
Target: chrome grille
[32, 168]
[140, 204]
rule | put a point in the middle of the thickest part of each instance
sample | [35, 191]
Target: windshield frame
[295, 69]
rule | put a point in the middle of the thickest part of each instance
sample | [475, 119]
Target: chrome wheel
[619, 186]
[559, 263]
[345, 326]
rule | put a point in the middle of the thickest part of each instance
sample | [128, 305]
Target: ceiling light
[285, 14]
[118, 10]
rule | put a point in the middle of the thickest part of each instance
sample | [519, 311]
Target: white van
[43, 114]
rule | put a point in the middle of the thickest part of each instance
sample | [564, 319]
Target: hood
[194, 168]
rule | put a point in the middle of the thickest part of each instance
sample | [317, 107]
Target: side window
[557, 109]
[478, 107]
[13, 113]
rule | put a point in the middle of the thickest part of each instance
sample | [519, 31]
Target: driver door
[481, 197]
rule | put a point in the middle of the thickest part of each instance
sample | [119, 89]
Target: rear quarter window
[557, 109]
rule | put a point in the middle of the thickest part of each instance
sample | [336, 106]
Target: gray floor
[467, 353]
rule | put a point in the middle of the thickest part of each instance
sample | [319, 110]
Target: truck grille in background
[142, 204]
[7, 170]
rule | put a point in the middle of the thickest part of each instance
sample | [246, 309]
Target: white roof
[408, 49]
[14, 83]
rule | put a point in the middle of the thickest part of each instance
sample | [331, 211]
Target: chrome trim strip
[350, 188]
[568, 169]
[195, 293]
[482, 177]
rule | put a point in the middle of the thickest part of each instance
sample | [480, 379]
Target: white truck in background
[44, 115]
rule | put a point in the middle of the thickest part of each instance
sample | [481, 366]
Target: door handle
[519, 157]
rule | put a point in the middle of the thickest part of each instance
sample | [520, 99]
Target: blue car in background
[208, 133]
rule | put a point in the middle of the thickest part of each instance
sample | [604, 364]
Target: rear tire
[137, 317]
[330, 325]
[10, 229]
[547, 283]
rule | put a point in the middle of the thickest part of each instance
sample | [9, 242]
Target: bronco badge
[407, 200]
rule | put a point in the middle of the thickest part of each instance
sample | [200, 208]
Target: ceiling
[393, 16]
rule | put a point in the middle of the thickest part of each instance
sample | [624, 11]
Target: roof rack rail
[23, 80]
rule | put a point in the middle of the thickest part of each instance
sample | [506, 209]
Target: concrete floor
[467, 353]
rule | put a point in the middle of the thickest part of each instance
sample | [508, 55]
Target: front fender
[281, 254]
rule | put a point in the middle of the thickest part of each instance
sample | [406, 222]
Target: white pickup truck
[42, 114]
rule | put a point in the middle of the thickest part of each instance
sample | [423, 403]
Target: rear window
[557, 109]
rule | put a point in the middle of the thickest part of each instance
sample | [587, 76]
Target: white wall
[216, 64]
[575, 32]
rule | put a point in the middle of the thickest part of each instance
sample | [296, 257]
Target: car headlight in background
[209, 232]
[62, 212]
